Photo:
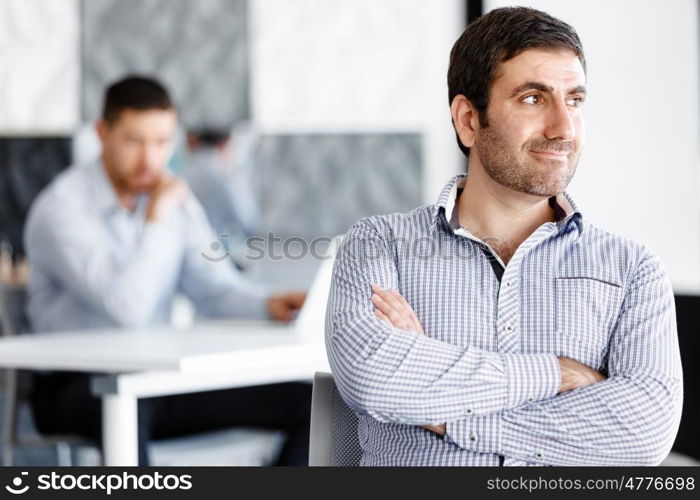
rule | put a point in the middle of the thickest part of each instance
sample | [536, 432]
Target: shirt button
[509, 328]
[472, 438]
[469, 411]
[507, 283]
[539, 454]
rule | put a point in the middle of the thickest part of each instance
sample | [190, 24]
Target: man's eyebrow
[531, 86]
[579, 89]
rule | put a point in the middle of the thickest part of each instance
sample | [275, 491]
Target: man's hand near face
[393, 308]
[168, 192]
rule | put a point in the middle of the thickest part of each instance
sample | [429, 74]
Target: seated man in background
[498, 326]
[218, 174]
[109, 244]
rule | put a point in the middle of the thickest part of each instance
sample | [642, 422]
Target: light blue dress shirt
[225, 190]
[487, 364]
[95, 264]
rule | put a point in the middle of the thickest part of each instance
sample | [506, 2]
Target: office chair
[17, 386]
[334, 440]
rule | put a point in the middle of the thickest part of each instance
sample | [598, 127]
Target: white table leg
[119, 430]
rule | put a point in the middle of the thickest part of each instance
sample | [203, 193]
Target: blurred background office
[324, 111]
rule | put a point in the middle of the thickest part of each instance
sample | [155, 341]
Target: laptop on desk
[311, 319]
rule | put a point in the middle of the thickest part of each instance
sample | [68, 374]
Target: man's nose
[150, 155]
[560, 123]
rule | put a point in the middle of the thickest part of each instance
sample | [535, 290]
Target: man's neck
[125, 198]
[500, 216]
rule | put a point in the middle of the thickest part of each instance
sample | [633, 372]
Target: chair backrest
[14, 386]
[334, 440]
[12, 301]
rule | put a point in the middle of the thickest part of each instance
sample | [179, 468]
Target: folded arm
[629, 419]
[401, 376]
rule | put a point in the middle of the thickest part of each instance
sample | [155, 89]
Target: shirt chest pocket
[586, 312]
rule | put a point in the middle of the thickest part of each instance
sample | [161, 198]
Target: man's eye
[532, 99]
[575, 101]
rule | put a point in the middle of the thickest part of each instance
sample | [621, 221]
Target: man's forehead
[556, 69]
[136, 118]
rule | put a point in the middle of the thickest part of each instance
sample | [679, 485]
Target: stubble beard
[513, 166]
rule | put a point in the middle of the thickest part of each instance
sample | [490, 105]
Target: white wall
[39, 67]
[638, 175]
[444, 23]
[358, 66]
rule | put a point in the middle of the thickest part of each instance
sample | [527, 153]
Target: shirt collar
[565, 209]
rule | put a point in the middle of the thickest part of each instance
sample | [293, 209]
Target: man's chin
[142, 187]
[548, 189]
[554, 180]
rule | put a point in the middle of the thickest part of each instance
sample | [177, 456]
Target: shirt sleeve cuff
[479, 433]
[518, 443]
[531, 377]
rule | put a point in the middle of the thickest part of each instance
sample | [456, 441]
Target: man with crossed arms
[498, 326]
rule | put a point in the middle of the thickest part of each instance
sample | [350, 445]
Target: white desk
[155, 362]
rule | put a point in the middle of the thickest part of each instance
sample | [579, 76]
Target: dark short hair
[496, 37]
[210, 137]
[134, 92]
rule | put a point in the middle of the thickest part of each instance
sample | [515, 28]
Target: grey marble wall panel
[198, 48]
[319, 185]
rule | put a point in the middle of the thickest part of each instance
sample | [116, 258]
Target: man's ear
[101, 127]
[465, 118]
